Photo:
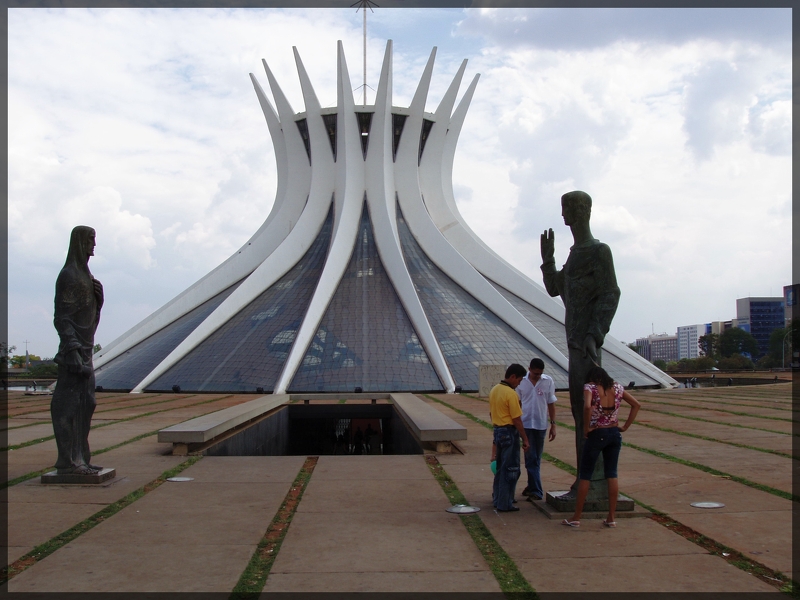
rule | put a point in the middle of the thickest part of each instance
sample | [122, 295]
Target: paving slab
[6, 424]
[133, 567]
[763, 540]
[26, 434]
[190, 518]
[321, 543]
[416, 543]
[517, 534]
[477, 581]
[191, 536]
[32, 524]
[680, 573]
[719, 417]
[368, 468]
[672, 487]
[373, 523]
[772, 471]
[245, 469]
[400, 495]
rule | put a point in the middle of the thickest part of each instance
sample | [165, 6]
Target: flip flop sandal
[571, 523]
[609, 523]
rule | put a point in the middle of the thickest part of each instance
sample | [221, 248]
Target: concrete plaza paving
[378, 523]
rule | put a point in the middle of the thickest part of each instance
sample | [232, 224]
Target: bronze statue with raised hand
[587, 285]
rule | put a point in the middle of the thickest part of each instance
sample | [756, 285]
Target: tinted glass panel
[553, 330]
[250, 350]
[365, 338]
[469, 334]
[127, 370]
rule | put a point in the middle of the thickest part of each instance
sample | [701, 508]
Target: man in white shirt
[538, 394]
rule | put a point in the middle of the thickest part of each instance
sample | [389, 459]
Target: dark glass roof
[128, 369]
[468, 333]
[365, 339]
[250, 349]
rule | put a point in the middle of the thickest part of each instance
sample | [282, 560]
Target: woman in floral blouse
[602, 397]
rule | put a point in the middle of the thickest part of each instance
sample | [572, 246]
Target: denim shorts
[607, 440]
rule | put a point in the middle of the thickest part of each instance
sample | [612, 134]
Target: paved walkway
[377, 523]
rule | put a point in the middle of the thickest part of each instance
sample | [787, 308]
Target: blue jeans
[533, 460]
[506, 439]
[607, 440]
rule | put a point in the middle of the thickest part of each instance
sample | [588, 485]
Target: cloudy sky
[143, 124]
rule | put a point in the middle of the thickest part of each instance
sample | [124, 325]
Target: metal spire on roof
[365, 4]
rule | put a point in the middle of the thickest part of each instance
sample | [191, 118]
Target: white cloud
[143, 124]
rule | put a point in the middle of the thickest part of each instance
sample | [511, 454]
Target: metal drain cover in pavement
[463, 509]
[707, 504]
[179, 479]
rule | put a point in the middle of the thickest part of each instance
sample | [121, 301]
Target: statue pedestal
[565, 509]
[565, 502]
[56, 477]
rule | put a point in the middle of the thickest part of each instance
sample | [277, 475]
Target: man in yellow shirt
[506, 412]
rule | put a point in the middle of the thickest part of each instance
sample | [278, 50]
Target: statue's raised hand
[548, 246]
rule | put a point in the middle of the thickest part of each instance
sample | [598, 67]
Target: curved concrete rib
[293, 247]
[444, 213]
[349, 178]
[447, 258]
[384, 177]
[282, 217]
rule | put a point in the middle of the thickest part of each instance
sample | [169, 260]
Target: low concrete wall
[488, 377]
[268, 437]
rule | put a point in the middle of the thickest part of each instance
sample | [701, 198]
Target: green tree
[737, 341]
[736, 362]
[781, 344]
[709, 345]
[18, 361]
[704, 363]
[5, 352]
[44, 370]
[661, 364]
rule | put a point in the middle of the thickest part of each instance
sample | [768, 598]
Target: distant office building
[687, 339]
[663, 347]
[658, 347]
[718, 327]
[790, 296]
[643, 347]
[760, 317]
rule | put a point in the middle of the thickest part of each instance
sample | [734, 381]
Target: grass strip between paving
[114, 422]
[774, 578]
[97, 412]
[28, 425]
[700, 467]
[733, 557]
[702, 420]
[718, 441]
[44, 550]
[716, 400]
[253, 578]
[503, 568]
[730, 412]
[33, 474]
